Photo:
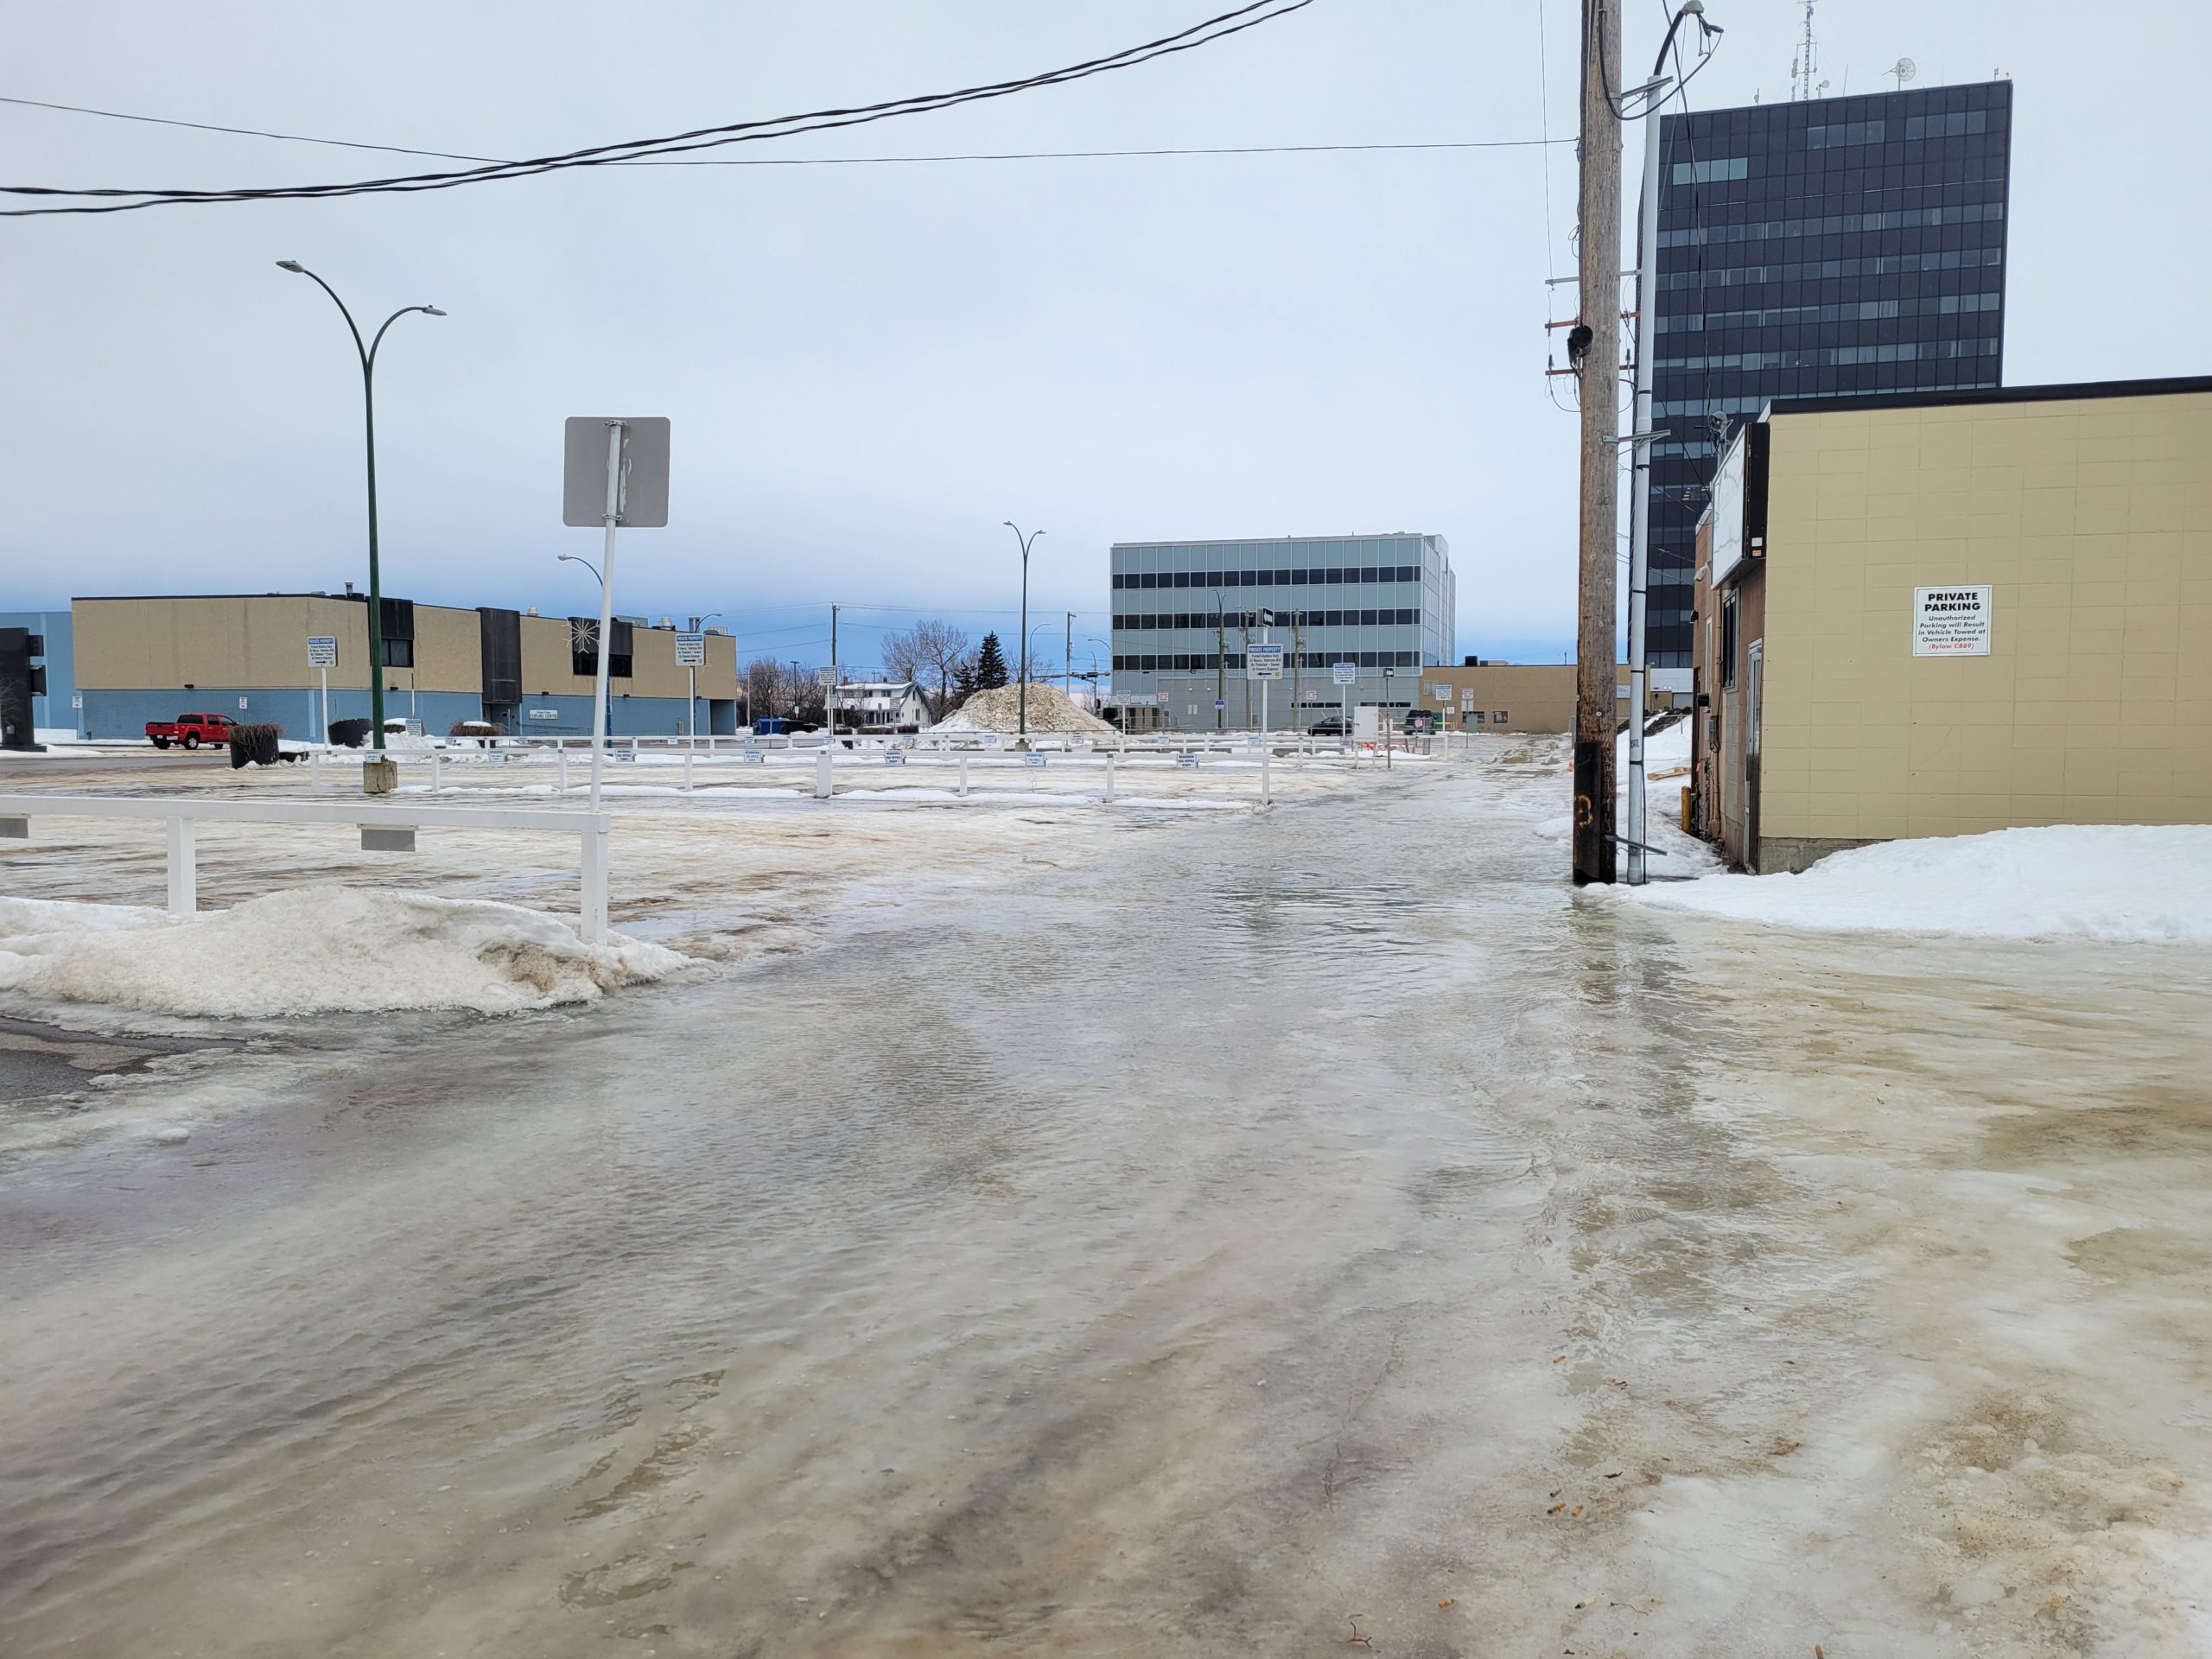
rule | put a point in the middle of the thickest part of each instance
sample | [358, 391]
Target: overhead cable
[109, 199]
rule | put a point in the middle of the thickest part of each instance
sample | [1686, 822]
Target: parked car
[1332, 727]
[190, 731]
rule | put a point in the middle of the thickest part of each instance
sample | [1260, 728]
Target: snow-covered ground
[313, 949]
[296, 919]
[2096, 882]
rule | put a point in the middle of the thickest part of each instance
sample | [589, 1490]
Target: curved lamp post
[368, 355]
[598, 647]
[1024, 541]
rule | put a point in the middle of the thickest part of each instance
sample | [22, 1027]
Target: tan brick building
[1942, 613]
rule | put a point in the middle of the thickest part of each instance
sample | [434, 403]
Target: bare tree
[906, 653]
[764, 687]
[943, 649]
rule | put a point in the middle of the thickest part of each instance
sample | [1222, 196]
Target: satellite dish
[1905, 69]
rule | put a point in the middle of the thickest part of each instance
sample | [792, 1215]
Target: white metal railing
[383, 828]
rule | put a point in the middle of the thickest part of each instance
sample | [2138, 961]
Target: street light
[599, 647]
[1024, 541]
[368, 355]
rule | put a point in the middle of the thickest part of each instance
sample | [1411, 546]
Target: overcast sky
[869, 368]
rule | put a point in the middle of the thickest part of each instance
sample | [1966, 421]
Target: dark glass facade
[1839, 247]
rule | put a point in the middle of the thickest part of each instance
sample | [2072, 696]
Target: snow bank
[2098, 882]
[998, 709]
[315, 950]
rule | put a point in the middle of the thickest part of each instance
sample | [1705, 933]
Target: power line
[1090, 155]
[824, 161]
[242, 132]
[1213, 30]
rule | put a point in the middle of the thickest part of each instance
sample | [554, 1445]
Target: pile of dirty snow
[2099, 881]
[998, 709]
[318, 949]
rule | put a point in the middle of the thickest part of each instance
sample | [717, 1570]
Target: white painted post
[687, 772]
[963, 774]
[822, 776]
[564, 768]
[184, 874]
[1109, 777]
[437, 772]
[595, 882]
[1266, 751]
[314, 768]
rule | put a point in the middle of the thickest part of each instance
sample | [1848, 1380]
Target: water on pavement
[1229, 1238]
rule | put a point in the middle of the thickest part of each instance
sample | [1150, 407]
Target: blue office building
[1185, 612]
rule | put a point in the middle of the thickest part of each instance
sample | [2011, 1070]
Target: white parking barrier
[963, 774]
[822, 776]
[376, 822]
[1110, 775]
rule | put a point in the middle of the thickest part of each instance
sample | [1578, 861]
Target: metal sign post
[1388, 740]
[322, 653]
[1263, 662]
[1344, 674]
[615, 471]
[690, 656]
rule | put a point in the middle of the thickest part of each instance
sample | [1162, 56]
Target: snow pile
[317, 949]
[2098, 882]
[998, 709]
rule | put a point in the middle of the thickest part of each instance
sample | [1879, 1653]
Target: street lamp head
[432, 311]
[292, 265]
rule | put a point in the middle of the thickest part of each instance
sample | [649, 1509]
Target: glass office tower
[1839, 247]
[1185, 610]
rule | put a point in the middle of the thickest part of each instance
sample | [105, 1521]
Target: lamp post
[1023, 697]
[691, 706]
[602, 713]
[368, 355]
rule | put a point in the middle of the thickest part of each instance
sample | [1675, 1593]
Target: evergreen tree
[990, 665]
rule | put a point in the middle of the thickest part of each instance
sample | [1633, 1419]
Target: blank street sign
[643, 500]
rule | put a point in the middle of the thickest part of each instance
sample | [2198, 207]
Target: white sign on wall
[1443, 693]
[1952, 621]
[545, 714]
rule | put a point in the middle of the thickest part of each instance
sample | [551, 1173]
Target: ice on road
[1143, 1234]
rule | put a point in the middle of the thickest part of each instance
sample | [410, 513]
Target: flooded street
[1225, 1234]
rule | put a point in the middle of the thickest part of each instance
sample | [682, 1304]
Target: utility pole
[1220, 663]
[1297, 658]
[829, 697]
[1067, 661]
[1594, 350]
[794, 688]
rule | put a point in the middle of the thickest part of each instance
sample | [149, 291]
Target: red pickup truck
[190, 731]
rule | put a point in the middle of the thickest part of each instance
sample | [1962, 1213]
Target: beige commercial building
[1511, 696]
[1943, 614]
[248, 655]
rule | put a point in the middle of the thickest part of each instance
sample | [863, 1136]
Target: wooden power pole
[1596, 706]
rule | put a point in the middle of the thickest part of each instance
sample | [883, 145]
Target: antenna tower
[1801, 69]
